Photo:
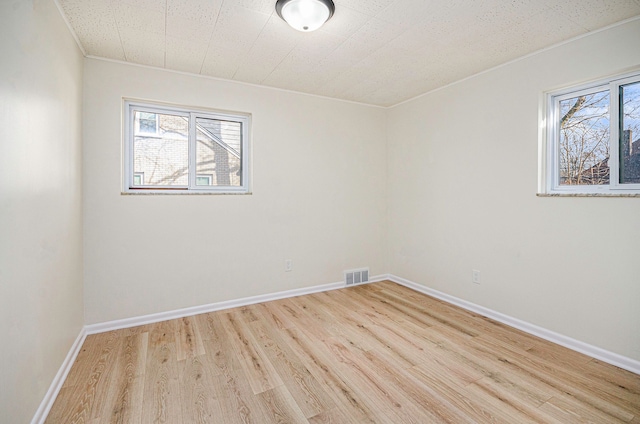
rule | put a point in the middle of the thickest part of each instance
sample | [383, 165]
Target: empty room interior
[396, 211]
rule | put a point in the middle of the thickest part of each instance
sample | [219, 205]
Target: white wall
[40, 202]
[462, 196]
[319, 177]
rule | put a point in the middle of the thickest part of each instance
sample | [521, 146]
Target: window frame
[130, 131]
[549, 169]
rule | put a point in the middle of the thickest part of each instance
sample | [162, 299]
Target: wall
[462, 196]
[461, 181]
[319, 177]
[40, 202]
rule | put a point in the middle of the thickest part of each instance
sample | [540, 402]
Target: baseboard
[590, 350]
[218, 306]
[58, 380]
[573, 344]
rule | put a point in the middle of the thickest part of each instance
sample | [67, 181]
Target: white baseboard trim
[211, 307]
[612, 358]
[590, 350]
[378, 278]
[58, 380]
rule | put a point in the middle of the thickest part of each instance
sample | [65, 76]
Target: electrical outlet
[475, 276]
[288, 265]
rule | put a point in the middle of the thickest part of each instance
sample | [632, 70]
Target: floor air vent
[356, 276]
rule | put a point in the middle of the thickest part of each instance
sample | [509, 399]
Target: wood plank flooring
[377, 353]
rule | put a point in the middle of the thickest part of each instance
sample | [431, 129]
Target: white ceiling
[378, 52]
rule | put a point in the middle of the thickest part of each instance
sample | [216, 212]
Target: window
[146, 123]
[593, 139]
[205, 180]
[138, 178]
[172, 149]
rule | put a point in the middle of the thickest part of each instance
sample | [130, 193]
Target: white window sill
[588, 195]
[182, 193]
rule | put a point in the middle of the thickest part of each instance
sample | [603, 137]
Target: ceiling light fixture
[305, 15]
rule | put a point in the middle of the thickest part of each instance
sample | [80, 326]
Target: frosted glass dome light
[305, 15]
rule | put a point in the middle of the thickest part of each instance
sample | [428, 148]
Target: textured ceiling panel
[220, 61]
[610, 11]
[145, 48]
[378, 52]
[184, 55]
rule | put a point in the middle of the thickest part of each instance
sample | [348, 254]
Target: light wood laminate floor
[377, 353]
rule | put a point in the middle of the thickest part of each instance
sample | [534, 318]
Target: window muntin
[187, 151]
[587, 130]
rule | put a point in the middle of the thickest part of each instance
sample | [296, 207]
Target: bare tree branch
[576, 107]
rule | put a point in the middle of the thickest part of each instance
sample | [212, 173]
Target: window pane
[138, 179]
[218, 152]
[584, 139]
[203, 180]
[147, 122]
[163, 157]
[630, 133]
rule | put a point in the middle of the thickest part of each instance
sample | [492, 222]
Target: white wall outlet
[288, 265]
[475, 276]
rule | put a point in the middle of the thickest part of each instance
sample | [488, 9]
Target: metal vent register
[356, 276]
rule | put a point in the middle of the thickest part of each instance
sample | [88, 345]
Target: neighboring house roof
[630, 168]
